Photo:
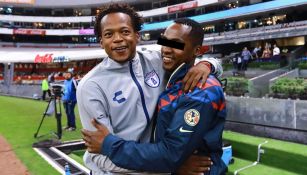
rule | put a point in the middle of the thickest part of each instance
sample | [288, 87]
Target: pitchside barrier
[282, 119]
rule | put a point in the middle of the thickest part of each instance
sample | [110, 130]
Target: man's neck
[123, 62]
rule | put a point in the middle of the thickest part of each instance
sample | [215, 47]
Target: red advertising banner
[184, 6]
[174, 8]
[29, 32]
[47, 58]
[204, 49]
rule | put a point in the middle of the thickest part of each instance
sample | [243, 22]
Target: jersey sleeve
[217, 68]
[92, 104]
[194, 116]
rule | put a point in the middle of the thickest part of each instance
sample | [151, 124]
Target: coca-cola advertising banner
[49, 58]
[184, 6]
[29, 32]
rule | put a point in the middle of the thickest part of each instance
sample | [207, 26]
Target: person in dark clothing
[236, 63]
[246, 55]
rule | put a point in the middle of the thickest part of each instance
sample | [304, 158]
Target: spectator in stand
[256, 52]
[239, 62]
[69, 99]
[236, 63]
[18, 80]
[267, 45]
[266, 53]
[284, 50]
[276, 53]
[246, 54]
[45, 88]
[276, 50]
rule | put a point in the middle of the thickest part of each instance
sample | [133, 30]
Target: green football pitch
[19, 119]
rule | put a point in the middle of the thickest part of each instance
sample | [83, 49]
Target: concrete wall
[303, 73]
[29, 91]
[276, 118]
[259, 86]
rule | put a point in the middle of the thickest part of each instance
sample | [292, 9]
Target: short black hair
[197, 32]
[136, 19]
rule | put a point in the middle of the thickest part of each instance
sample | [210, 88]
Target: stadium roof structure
[39, 55]
[232, 13]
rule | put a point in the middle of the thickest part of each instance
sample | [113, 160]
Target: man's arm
[203, 67]
[195, 164]
[93, 105]
[216, 67]
[167, 155]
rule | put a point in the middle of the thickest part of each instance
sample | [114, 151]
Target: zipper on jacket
[141, 93]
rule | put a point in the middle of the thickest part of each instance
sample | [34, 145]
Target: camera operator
[69, 99]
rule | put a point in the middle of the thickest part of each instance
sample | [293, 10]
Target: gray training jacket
[123, 97]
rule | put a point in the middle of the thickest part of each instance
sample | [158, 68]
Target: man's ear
[101, 43]
[197, 51]
[138, 37]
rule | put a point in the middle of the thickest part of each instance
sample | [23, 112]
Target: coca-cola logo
[47, 58]
[29, 32]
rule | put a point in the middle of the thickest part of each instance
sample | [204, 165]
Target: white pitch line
[50, 161]
[69, 144]
[70, 160]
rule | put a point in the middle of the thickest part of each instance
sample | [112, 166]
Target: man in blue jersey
[186, 123]
[69, 99]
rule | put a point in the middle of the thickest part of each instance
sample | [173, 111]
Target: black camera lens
[57, 90]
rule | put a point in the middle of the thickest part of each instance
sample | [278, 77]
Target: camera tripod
[55, 103]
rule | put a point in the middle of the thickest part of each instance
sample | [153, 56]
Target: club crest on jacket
[191, 117]
[152, 79]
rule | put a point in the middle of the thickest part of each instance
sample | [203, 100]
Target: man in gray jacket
[122, 91]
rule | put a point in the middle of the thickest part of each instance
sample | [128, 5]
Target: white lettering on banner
[60, 59]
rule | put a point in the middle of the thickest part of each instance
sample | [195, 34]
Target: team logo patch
[152, 79]
[191, 117]
[118, 97]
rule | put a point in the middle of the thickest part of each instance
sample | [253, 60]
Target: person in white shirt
[276, 50]
[276, 53]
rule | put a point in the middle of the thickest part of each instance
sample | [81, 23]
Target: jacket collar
[178, 74]
[110, 64]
